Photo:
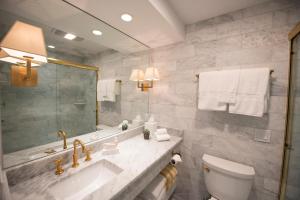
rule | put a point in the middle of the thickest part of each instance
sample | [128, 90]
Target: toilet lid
[228, 167]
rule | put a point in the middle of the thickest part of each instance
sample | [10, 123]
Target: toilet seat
[212, 198]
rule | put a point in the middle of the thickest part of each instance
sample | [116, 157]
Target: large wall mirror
[65, 97]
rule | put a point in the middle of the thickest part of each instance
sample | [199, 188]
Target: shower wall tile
[247, 38]
[32, 116]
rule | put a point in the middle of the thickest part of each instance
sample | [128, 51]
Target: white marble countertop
[135, 158]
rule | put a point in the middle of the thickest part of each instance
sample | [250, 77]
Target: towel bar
[271, 72]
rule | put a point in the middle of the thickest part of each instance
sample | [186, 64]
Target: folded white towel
[163, 137]
[106, 90]
[209, 91]
[253, 92]
[161, 131]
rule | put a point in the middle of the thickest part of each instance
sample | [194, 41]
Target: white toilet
[227, 180]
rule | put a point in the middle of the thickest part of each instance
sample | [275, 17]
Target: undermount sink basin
[85, 181]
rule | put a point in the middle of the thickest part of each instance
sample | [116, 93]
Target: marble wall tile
[202, 35]
[186, 88]
[267, 7]
[195, 62]
[280, 52]
[173, 52]
[229, 29]
[228, 44]
[256, 39]
[244, 56]
[256, 23]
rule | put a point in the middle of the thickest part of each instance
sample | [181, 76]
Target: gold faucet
[75, 154]
[88, 154]
[59, 169]
[63, 135]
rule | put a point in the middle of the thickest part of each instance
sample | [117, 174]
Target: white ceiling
[191, 11]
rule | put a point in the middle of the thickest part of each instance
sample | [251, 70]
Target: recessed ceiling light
[70, 36]
[51, 46]
[126, 17]
[97, 32]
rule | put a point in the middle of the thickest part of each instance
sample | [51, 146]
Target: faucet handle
[88, 154]
[58, 164]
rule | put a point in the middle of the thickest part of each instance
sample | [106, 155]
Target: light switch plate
[262, 135]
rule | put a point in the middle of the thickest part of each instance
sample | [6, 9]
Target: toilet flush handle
[206, 168]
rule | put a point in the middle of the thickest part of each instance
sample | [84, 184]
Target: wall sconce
[24, 46]
[145, 81]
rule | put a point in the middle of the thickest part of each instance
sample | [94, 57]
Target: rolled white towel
[161, 131]
[163, 137]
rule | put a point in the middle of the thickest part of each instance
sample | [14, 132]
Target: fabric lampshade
[137, 75]
[151, 74]
[25, 41]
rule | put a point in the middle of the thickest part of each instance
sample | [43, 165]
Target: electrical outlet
[262, 135]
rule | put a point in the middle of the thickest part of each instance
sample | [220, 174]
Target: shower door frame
[80, 66]
[289, 115]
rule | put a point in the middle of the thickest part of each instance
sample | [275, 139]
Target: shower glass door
[76, 100]
[291, 177]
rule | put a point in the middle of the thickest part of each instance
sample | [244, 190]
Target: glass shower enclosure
[64, 99]
[290, 183]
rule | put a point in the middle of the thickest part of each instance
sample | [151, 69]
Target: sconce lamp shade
[137, 75]
[6, 58]
[151, 74]
[24, 40]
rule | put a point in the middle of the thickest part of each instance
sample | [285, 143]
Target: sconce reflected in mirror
[24, 46]
[145, 81]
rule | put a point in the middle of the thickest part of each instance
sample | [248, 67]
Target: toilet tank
[227, 180]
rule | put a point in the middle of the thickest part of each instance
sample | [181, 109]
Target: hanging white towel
[253, 92]
[106, 90]
[101, 90]
[228, 88]
[209, 91]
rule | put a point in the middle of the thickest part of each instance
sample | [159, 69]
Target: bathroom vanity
[121, 175]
